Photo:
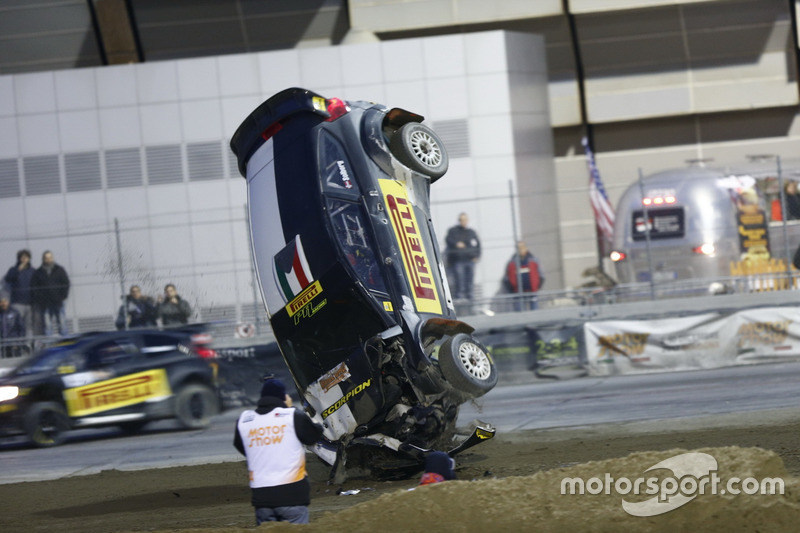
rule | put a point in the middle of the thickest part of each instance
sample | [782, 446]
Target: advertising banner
[708, 340]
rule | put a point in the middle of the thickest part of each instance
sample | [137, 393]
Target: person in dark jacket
[172, 309]
[523, 276]
[271, 438]
[792, 200]
[49, 290]
[463, 251]
[439, 466]
[18, 278]
[12, 329]
[138, 311]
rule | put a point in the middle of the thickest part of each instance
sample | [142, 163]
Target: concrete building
[115, 109]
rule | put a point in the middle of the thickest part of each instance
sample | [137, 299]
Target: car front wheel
[420, 149]
[46, 423]
[195, 404]
[465, 363]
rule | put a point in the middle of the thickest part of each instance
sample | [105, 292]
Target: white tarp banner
[709, 340]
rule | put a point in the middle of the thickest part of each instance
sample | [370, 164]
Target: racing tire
[465, 363]
[46, 424]
[195, 404]
[420, 149]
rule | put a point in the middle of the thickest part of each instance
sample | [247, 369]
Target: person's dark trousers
[464, 272]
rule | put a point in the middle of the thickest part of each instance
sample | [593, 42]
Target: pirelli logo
[118, 392]
[415, 259]
[304, 298]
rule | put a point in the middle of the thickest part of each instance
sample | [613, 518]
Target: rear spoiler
[248, 137]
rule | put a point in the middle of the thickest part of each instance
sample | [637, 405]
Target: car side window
[351, 234]
[337, 173]
[111, 352]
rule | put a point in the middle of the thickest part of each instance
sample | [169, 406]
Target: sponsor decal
[387, 306]
[415, 259]
[291, 270]
[348, 184]
[335, 376]
[483, 434]
[344, 399]
[303, 306]
[118, 392]
[309, 310]
[319, 103]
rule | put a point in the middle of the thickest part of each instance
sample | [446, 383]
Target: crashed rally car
[352, 278]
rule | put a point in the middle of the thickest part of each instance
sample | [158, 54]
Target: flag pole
[601, 206]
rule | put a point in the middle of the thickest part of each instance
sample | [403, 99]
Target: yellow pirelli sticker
[304, 298]
[117, 392]
[415, 259]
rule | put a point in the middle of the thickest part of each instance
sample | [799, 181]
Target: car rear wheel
[46, 423]
[465, 363]
[420, 149]
[195, 404]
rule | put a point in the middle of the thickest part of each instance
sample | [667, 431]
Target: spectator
[463, 251]
[18, 278]
[792, 200]
[272, 439]
[138, 311]
[523, 276]
[172, 309]
[12, 329]
[49, 290]
[438, 467]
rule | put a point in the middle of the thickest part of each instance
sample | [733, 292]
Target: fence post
[121, 273]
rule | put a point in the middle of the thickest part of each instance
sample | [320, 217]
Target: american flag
[603, 211]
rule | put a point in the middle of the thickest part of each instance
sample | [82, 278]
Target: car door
[116, 380]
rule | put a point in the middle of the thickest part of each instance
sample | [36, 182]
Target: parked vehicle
[351, 274]
[120, 378]
[698, 221]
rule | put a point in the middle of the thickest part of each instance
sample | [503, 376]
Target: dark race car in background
[352, 277]
[120, 378]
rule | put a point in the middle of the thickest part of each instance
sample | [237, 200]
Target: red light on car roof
[271, 130]
[647, 201]
[336, 108]
[617, 256]
[658, 200]
[670, 199]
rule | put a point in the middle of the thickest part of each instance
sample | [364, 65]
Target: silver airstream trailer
[687, 224]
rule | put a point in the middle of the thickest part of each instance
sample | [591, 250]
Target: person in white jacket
[271, 437]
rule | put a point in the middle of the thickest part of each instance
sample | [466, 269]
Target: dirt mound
[511, 483]
[536, 502]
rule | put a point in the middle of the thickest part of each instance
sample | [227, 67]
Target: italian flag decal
[291, 270]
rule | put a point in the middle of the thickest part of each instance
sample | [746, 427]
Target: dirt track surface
[489, 492]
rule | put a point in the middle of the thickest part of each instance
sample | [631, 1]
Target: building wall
[143, 148]
[663, 82]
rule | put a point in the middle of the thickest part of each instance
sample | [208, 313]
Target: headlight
[8, 393]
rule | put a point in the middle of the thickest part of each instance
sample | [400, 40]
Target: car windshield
[49, 359]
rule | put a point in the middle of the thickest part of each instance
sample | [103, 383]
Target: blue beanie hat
[273, 387]
[440, 463]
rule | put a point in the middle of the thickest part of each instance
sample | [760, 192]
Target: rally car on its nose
[351, 273]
